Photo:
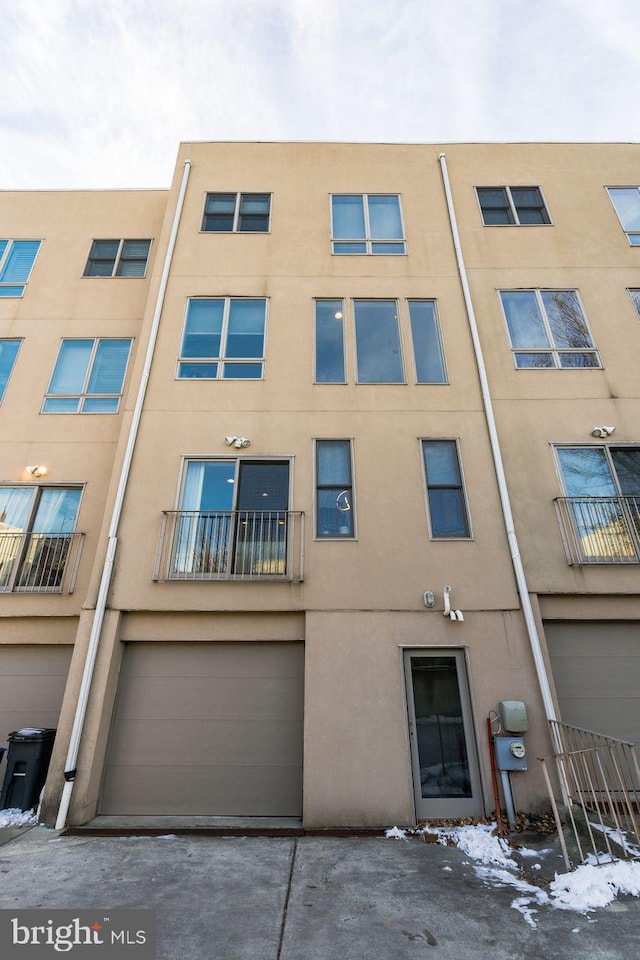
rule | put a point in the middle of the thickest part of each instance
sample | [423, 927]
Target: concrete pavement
[305, 898]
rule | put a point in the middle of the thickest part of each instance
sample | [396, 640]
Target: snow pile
[14, 817]
[592, 886]
[395, 833]
[478, 842]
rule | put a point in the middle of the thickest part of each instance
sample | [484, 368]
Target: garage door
[207, 729]
[32, 682]
[596, 669]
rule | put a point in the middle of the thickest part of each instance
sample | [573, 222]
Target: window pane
[61, 405]
[627, 203]
[102, 405]
[254, 213]
[209, 485]
[349, 248]
[334, 462]
[109, 365]
[378, 342]
[56, 511]
[530, 361]
[197, 371]
[242, 371]
[8, 353]
[104, 249]
[18, 264]
[384, 218]
[71, 368]
[566, 319]
[447, 513]
[627, 465]
[335, 515]
[586, 472]
[635, 298]
[15, 506]
[388, 248]
[221, 203]
[11, 291]
[526, 328]
[131, 268]
[136, 249]
[494, 204]
[579, 360]
[245, 337]
[329, 342]
[348, 218]
[529, 205]
[203, 329]
[99, 268]
[427, 349]
[441, 461]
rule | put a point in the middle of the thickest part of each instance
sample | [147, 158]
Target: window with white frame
[379, 326]
[367, 223]
[548, 329]
[8, 353]
[335, 510]
[223, 339]
[16, 262]
[512, 206]
[236, 213]
[117, 258]
[626, 202]
[448, 514]
[88, 376]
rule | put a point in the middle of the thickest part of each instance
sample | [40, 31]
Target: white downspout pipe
[107, 570]
[527, 609]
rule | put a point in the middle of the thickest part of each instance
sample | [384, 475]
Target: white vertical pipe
[527, 609]
[107, 570]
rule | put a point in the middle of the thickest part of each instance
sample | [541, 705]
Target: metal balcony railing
[231, 545]
[600, 529]
[39, 562]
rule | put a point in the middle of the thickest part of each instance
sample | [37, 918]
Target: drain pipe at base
[527, 609]
[107, 570]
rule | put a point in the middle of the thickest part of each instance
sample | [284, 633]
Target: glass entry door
[443, 750]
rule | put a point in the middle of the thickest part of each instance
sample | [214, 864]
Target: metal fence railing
[600, 529]
[599, 783]
[231, 545]
[39, 562]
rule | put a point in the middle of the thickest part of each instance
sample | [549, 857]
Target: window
[377, 335]
[445, 493]
[547, 328]
[626, 201]
[635, 299]
[367, 223]
[512, 206]
[117, 258]
[334, 489]
[88, 377]
[16, 261]
[223, 340]
[236, 213]
[8, 353]
[601, 511]
[36, 536]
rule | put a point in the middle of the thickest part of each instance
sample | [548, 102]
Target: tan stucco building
[254, 425]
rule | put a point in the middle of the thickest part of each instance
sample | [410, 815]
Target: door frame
[425, 808]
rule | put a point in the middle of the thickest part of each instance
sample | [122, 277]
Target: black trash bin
[27, 764]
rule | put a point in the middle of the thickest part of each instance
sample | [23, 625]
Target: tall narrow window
[369, 223]
[88, 377]
[378, 352]
[8, 353]
[334, 489]
[16, 262]
[329, 342]
[445, 491]
[547, 328]
[427, 348]
[223, 340]
[626, 201]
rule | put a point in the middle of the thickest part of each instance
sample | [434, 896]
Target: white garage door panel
[213, 729]
[32, 682]
[596, 670]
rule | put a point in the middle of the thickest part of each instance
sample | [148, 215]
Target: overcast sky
[98, 93]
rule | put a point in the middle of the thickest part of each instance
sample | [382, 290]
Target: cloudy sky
[99, 94]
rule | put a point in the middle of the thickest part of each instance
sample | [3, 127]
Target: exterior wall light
[36, 470]
[602, 432]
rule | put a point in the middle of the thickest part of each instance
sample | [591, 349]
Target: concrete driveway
[306, 898]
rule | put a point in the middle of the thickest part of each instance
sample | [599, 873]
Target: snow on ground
[590, 886]
[14, 817]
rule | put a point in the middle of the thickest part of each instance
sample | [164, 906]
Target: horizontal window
[547, 328]
[223, 339]
[236, 213]
[367, 223]
[512, 206]
[88, 377]
[626, 201]
[16, 262]
[117, 258]
[8, 353]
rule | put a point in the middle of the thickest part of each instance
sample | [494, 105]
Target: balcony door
[234, 518]
[444, 758]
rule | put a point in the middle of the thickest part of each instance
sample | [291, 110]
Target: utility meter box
[513, 716]
[510, 753]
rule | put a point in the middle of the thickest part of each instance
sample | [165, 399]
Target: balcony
[39, 562]
[231, 545]
[600, 529]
